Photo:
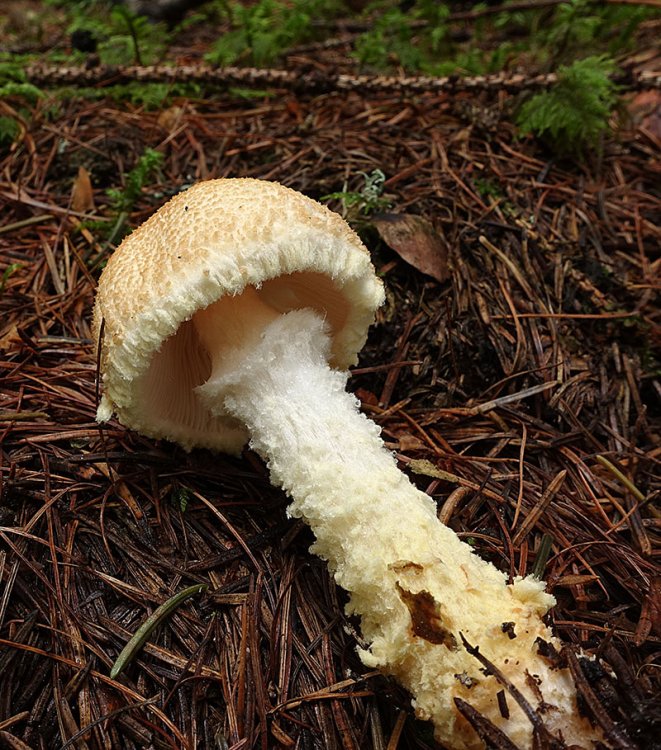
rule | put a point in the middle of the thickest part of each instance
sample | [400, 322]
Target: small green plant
[9, 130]
[23, 95]
[389, 41]
[574, 112]
[12, 67]
[424, 38]
[488, 188]
[180, 498]
[23, 90]
[577, 26]
[122, 201]
[436, 16]
[414, 40]
[571, 28]
[364, 202]
[263, 31]
[148, 95]
[122, 36]
[250, 95]
[13, 86]
[7, 273]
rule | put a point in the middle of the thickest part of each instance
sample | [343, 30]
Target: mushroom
[231, 316]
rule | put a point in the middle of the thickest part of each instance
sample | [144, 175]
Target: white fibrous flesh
[415, 585]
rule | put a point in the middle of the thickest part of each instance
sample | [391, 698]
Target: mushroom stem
[415, 585]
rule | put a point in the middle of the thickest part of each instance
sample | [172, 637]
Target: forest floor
[517, 351]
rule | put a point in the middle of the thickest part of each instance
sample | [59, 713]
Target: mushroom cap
[207, 243]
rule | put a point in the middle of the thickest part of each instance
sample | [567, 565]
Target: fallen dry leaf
[82, 196]
[169, 118]
[411, 443]
[10, 338]
[416, 241]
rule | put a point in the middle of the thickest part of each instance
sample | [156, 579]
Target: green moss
[122, 201]
[122, 36]
[23, 90]
[8, 272]
[580, 27]
[263, 31]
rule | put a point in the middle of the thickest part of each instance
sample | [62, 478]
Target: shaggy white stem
[415, 586]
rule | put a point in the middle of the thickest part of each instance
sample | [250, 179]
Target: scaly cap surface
[211, 241]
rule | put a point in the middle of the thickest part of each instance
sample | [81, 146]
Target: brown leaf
[10, 338]
[169, 118]
[416, 241]
[411, 443]
[82, 196]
